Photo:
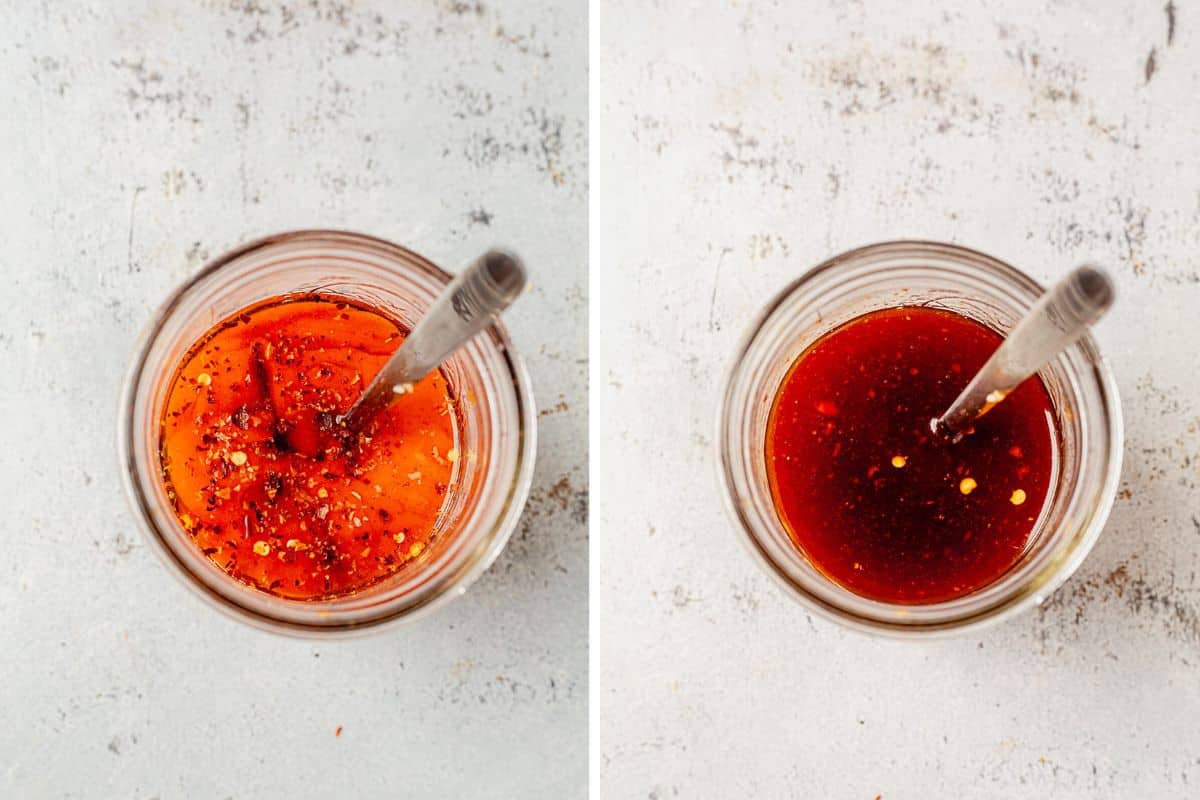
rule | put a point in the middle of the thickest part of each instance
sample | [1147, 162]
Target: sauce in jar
[263, 477]
[872, 498]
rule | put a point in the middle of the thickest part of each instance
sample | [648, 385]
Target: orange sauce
[263, 477]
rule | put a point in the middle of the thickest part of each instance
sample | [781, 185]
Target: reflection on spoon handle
[1059, 317]
[468, 305]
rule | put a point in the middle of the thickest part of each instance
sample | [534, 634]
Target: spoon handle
[468, 305]
[1056, 320]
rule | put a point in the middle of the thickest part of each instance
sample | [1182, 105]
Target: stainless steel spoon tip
[468, 304]
[1054, 323]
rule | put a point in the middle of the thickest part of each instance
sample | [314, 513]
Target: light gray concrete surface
[139, 139]
[734, 146]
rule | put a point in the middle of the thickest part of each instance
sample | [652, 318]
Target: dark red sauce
[872, 498]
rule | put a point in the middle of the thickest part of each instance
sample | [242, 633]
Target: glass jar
[497, 435]
[1087, 410]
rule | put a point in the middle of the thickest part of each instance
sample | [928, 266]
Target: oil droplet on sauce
[937, 522]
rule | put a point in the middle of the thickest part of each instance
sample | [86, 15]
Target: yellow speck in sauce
[415, 550]
[899, 461]
[1018, 497]
[398, 536]
[204, 379]
[452, 455]
[827, 408]
[967, 485]
[238, 458]
[262, 548]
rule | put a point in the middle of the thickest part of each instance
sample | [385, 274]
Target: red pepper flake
[338, 732]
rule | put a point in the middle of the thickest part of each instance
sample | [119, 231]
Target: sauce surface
[267, 483]
[869, 495]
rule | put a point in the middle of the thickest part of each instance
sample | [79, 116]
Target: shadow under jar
[494, 430]
[1085, 427]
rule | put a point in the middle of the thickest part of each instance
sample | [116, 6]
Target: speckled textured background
[737, 144]
[140, 139]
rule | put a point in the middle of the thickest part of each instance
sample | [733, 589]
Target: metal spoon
[469, 304]
[1059, 317]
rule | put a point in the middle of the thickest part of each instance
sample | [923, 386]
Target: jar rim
[467, 566]
[895, 619]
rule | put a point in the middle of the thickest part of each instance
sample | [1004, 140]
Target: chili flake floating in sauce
[874, 501]
[268, 484]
